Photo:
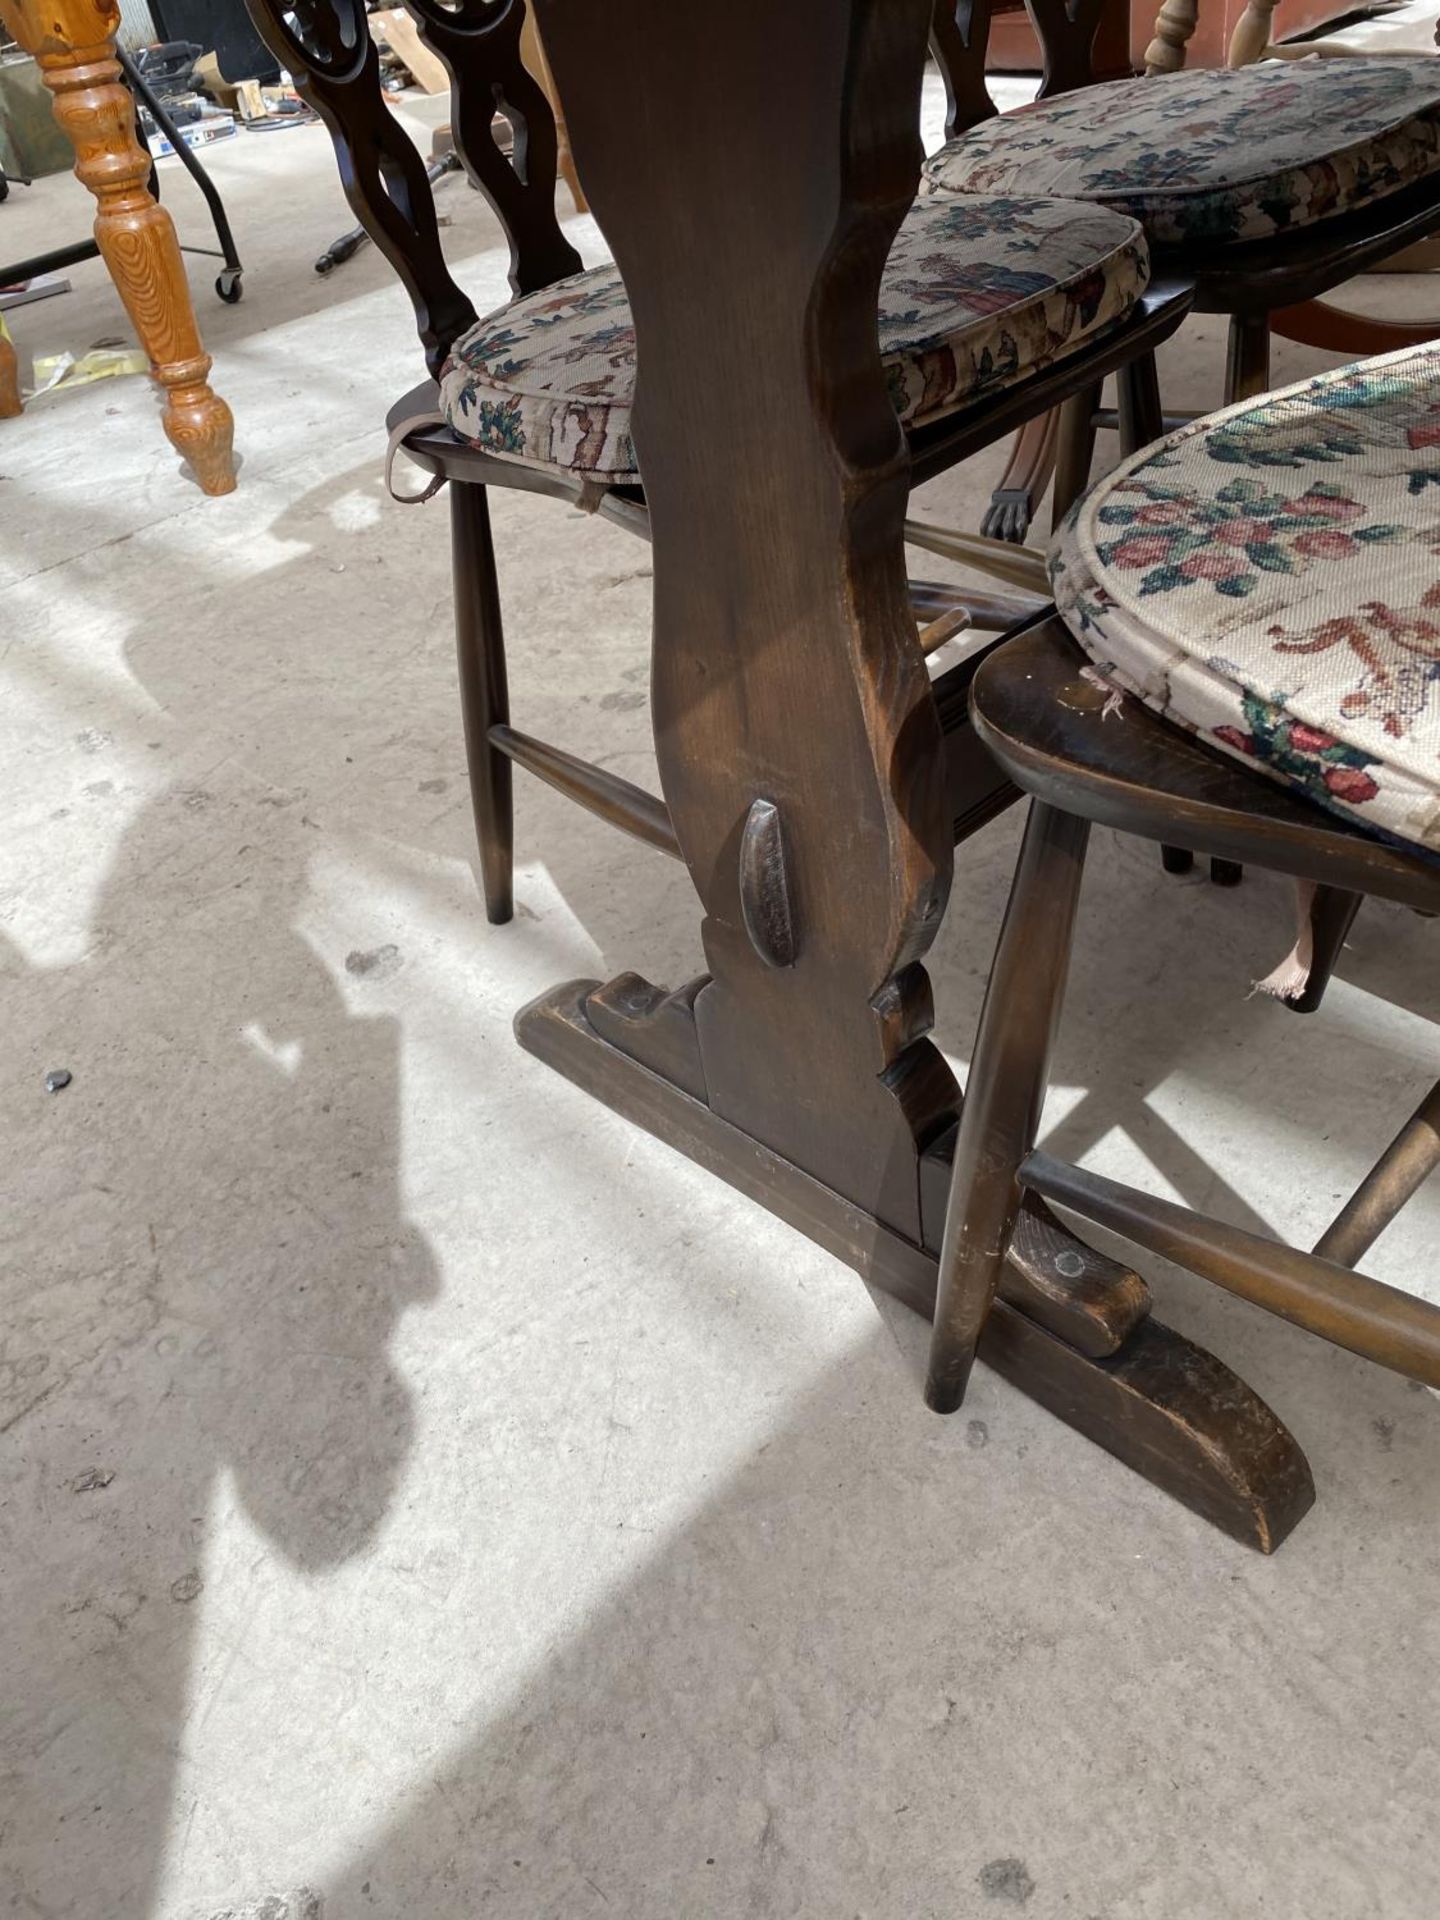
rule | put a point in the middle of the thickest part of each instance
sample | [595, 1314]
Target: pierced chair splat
[979, 299]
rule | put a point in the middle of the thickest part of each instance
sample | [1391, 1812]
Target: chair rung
[1019, 567]
[934, 600]
[1108, 419]
[1409, 1160]
[632, 515]
[1352, 1310]
[624, 805]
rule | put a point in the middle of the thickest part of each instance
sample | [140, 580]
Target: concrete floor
[422, 1494]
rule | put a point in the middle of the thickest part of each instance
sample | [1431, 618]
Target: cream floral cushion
[1269, 577]
[1234, 155]
[976, 293]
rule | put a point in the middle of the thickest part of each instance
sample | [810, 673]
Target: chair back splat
[960, 37]
[326, 45]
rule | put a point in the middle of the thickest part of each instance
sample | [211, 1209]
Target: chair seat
[1269, 577]
[976, 294]
[1216, 156]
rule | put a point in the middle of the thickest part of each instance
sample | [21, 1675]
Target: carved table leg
[74, 44]
[9, 376]
[798, 739]
[1017, 497]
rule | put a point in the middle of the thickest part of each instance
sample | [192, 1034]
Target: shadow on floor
[778, 1715]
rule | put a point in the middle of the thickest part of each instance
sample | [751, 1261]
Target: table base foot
[1165, 1407]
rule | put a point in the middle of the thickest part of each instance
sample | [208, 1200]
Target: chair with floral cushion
[1004, 302]
[1246, 654]
[1267, 185]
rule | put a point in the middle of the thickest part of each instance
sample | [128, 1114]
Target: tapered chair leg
[1074, 450]
[1137, 400]
[1247, 359]
[484, 695]
[1332, 914]
[1409, 1160]
[1005, 1091]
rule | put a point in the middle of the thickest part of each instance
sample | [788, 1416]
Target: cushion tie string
[1289, 980]
[399, 434]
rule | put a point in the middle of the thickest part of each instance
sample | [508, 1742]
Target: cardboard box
[393, 28]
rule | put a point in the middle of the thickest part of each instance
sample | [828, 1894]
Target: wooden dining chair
[1267, 185]
[1328, 324]
[1009, 303]
[1243, 658]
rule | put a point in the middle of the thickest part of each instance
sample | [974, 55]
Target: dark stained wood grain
[777, 485]
[1041, 722]
[812, 775]
[1332, 914]
[607, 795]
[1066, 31]
[1175, 1414]
[651, 1026]
[1045, 724]
[765, 902]
[1005, 1091]
[1409, 1160]
[484, 693]
[812, 778]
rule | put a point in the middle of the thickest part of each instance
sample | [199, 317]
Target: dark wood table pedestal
[750, 165]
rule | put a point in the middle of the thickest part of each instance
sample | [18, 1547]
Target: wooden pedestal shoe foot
[1071, 1329]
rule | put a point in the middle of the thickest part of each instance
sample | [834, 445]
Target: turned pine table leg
[1174, 28]
[74, 43]
[9, 377]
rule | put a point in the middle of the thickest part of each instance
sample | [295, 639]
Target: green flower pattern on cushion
[1175, 540]
[497, 426]
[1214, 157]
[1291, 622]
[1326, 768]
[975, 294]
[1347, 411]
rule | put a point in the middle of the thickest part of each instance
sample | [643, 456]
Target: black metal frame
[229, 281]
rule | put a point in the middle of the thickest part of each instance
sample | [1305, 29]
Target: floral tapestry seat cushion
[1269, 577]
[976, 293]
[1216, 157]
